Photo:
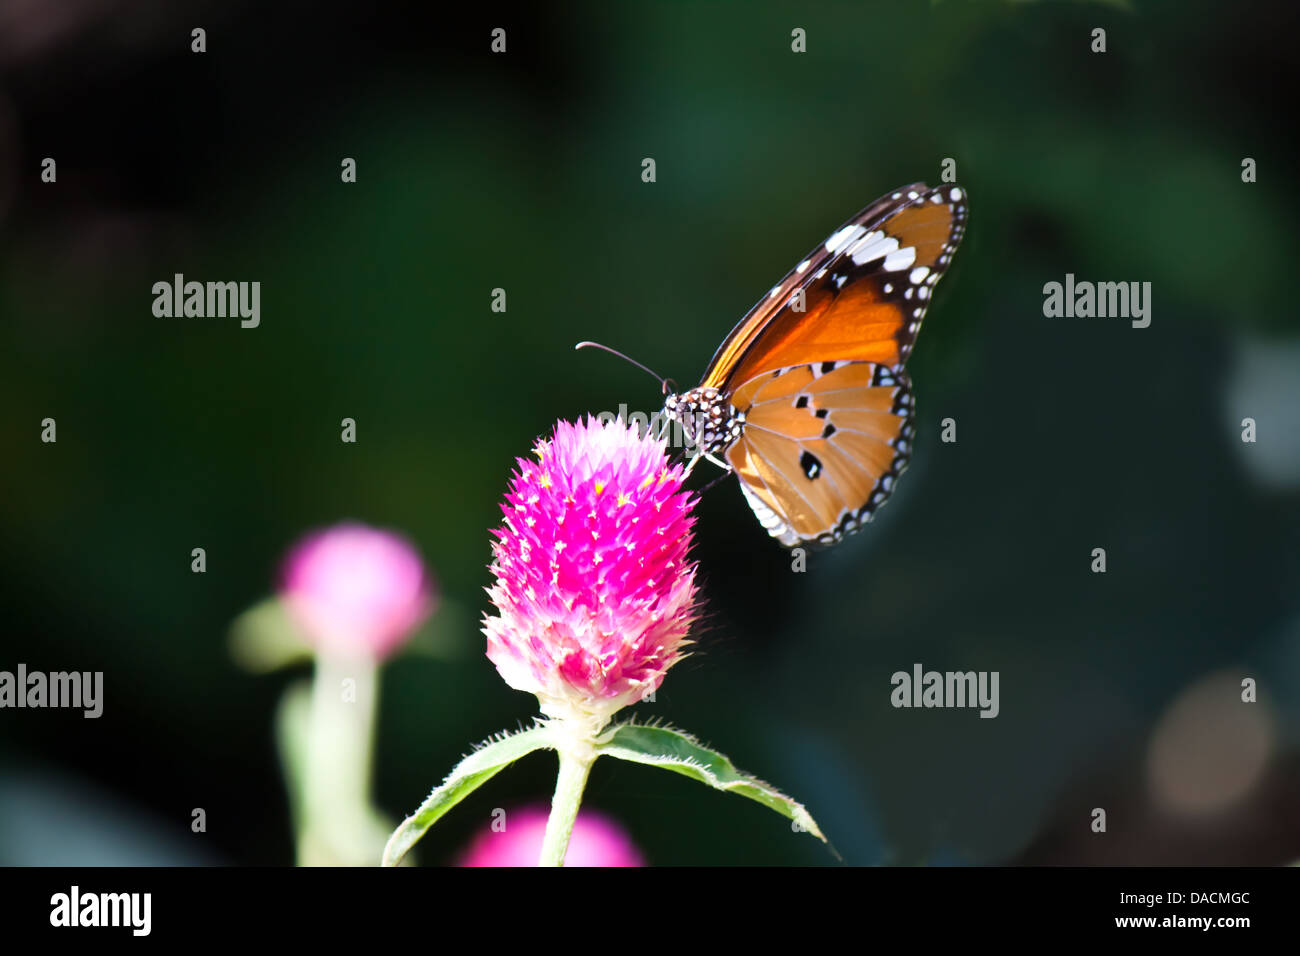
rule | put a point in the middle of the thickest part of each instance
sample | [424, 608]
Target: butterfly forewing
[860, 295]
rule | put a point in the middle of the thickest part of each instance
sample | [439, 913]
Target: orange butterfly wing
[816, 368]
[863, 291]
[822, 447]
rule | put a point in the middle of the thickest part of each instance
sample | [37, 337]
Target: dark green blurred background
[522, 171]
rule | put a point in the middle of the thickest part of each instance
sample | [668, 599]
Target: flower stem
[338, 763]
[569, 784]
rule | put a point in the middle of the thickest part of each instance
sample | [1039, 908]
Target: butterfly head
[708, 418]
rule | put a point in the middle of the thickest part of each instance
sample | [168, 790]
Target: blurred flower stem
[333, 828]
[350, 597]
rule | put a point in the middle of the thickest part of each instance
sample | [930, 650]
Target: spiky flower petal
[595, 590]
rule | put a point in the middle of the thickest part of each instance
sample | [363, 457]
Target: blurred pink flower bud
[356, 590]
[597, 841]
[594, 590]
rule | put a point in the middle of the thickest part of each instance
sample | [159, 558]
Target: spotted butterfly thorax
[807, 400]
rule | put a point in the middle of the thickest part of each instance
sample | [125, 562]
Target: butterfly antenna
[664, 382]
[718, 480]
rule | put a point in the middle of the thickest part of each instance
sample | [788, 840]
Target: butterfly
[807, 401]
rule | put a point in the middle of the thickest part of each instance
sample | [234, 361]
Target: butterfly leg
[690, 465]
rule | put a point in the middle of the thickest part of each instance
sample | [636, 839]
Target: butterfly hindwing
[822, 446]
[860, 295]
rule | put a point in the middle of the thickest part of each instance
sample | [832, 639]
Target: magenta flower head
[596, 841]
[594, 590]
[355, 590]
[595, 593]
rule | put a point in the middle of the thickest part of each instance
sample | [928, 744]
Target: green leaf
[471, 773]
[264, 638]
[680, 752]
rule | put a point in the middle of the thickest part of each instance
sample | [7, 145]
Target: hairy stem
[569, 784]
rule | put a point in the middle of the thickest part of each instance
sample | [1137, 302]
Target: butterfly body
[807, 399]
[708, 417]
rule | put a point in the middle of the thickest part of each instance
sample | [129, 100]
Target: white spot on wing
[901, 259]
[917, 275]
[843, 237]
[873, 245]
[769, 519]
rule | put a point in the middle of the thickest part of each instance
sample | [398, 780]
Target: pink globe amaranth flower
[356, 590]
[594, 590]
[596, 841]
